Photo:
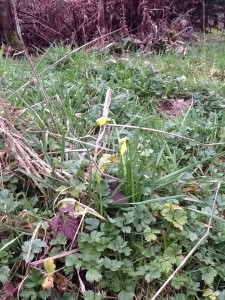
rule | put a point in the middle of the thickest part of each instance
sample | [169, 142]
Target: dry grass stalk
[17, 152]
[105, 113]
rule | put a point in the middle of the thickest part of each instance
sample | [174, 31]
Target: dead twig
[57, 256]
[167, 133]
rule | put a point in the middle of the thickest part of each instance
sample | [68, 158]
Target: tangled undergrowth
[152, 24]
[104, 193]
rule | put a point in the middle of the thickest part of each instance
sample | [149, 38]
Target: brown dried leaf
[189, 189]
[61, 282]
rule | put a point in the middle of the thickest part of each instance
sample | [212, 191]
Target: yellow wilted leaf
[173, 206]
[104, 160]
[114, 159]
[102, 121]
[49, 265]
[178, 225]
[209, 293]
[48, 282]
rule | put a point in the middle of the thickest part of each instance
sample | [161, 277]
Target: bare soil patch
[173, 107]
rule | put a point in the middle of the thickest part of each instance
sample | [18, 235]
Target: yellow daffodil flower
[102, 121]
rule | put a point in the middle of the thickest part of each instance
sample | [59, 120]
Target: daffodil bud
[123, 142]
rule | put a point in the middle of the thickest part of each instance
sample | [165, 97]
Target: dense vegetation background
[77, 22]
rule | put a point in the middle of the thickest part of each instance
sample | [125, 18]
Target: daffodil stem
[131, 177]
[100, 194]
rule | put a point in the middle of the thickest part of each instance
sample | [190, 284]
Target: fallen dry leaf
[189, 189]
[61, 282]
[48, 282]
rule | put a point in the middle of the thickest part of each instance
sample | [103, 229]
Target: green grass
[169, 184]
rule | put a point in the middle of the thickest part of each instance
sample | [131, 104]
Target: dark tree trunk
[7, 25]
[102, 17]
[133, 18]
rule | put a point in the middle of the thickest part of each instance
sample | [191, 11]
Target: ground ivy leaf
[95, 236]
[111, 264]
[35, 279]
[222, 295]
[125, 295]
[30, 247]
[192, 236]
[167, 214]
[148, 277]
[60, 239]
[208, 275]
[78, 187]
[126, 229]
[93, 275]
[31, 295]
[153, 273]
[149, 235]
[4, 274]
[180, 219]
[73, 260]
[177, 217]
[178, 282]
[44, 294]
[178, 297]
[142, 270]
[165, 265]
[49, 265]
[37, 245]
[90, 295]
[119, 245]
[92, 223]
[7, 201]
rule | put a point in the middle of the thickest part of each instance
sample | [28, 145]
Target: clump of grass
[122, 239]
